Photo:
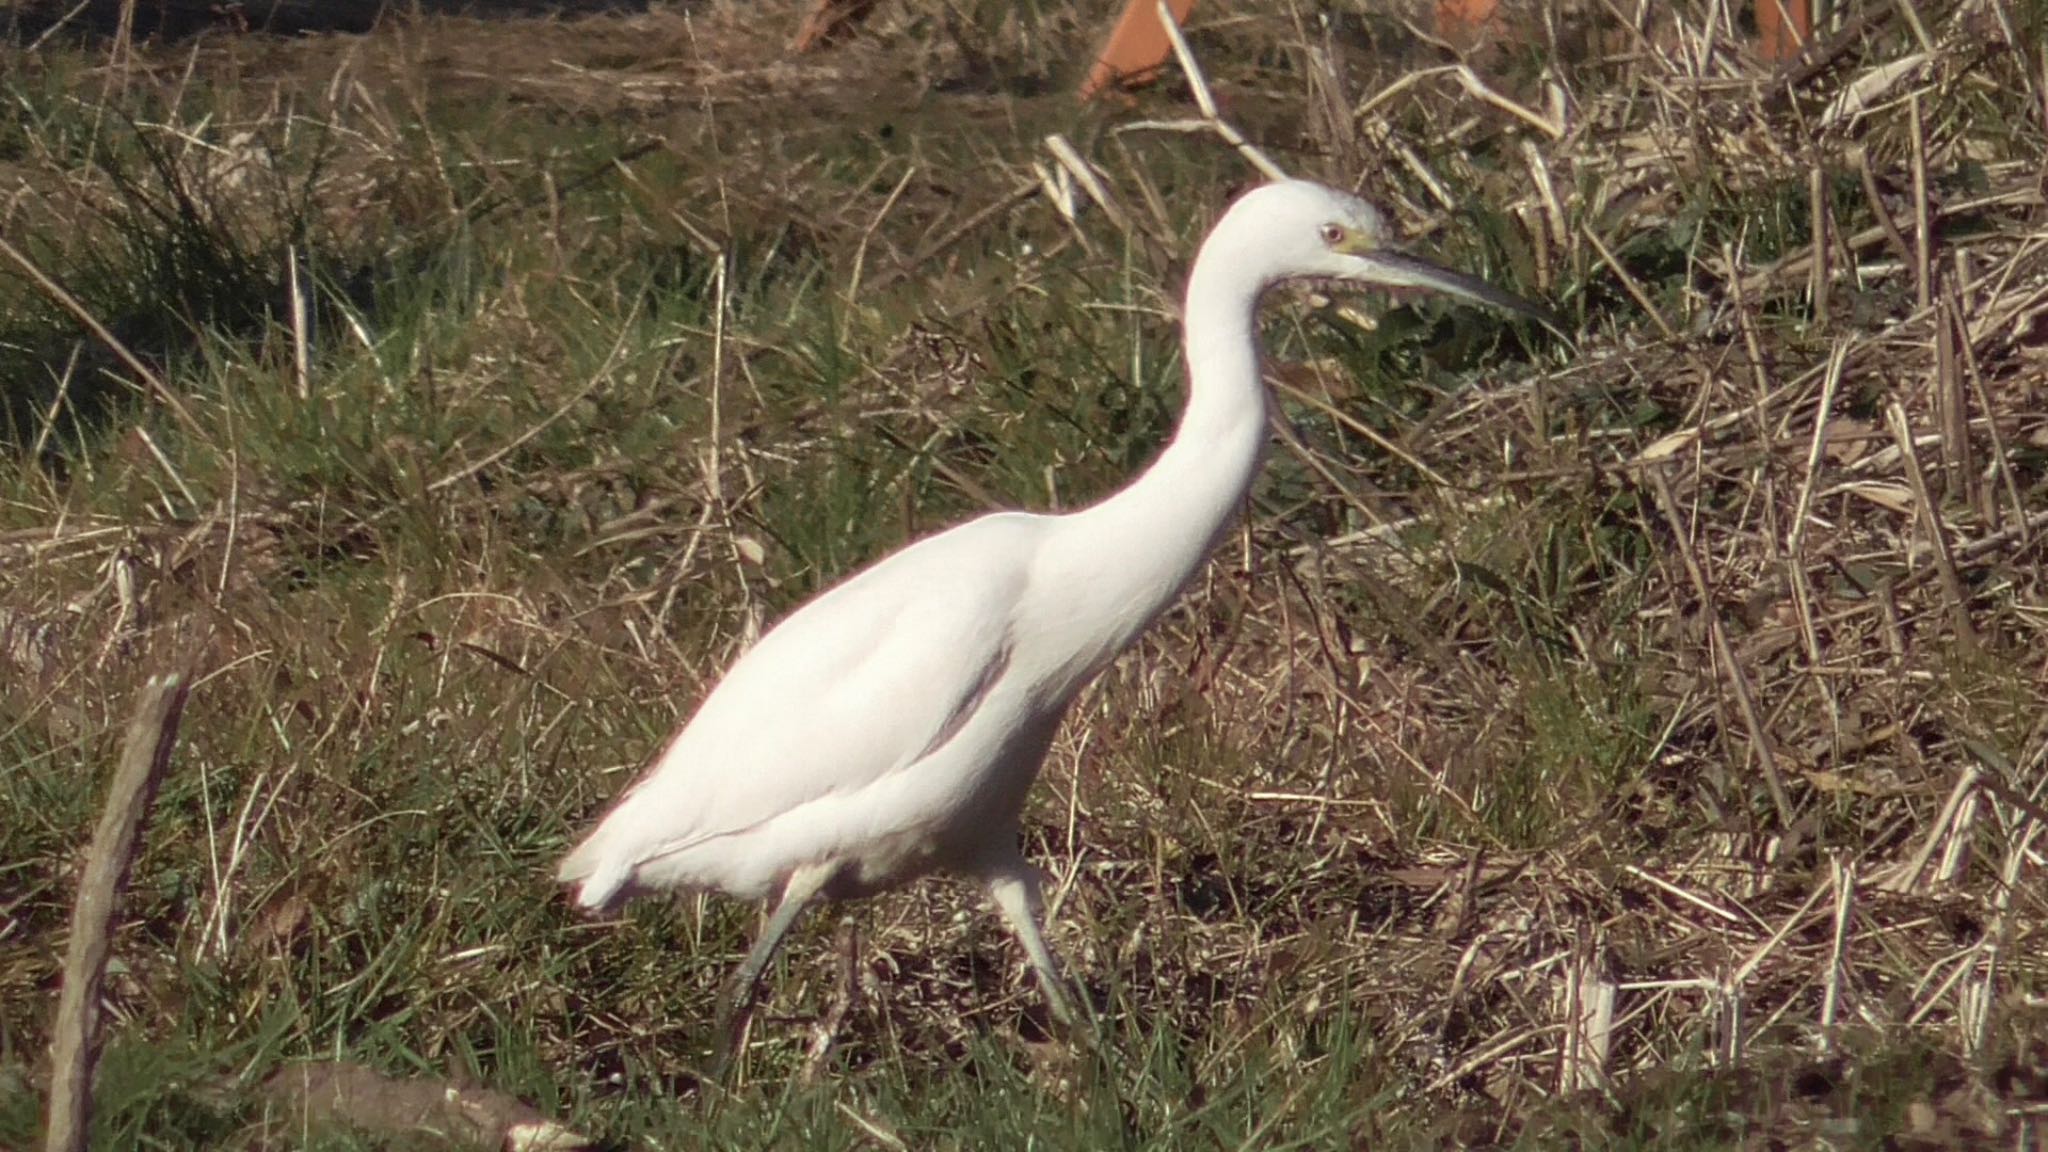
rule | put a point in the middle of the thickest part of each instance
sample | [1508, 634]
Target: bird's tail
[601, 876]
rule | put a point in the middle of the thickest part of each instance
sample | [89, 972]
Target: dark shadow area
[174, 267]
[176, 19]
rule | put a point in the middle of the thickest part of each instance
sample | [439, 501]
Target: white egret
[892, 726]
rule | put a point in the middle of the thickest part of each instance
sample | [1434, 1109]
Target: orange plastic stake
[827, 19]
[1783, 27]
[1464, 22]
[1138, 47]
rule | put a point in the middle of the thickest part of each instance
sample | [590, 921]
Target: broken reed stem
[1923, 221]
[1947, 388]
[1198, 84]
[1874, 197]
[1844, 873]
[1905, 877]
[1815, 449]
[1717, 637]
[1930, 516]
[1817, 223]
[2002, 460]
[1795, 544]
[1629, 283]
[145, 752]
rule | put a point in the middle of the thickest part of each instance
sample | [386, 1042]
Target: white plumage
[893, 725]
[869, 708]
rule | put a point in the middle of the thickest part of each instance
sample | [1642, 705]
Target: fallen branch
[145, 753]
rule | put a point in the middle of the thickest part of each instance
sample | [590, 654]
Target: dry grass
[1634, 744]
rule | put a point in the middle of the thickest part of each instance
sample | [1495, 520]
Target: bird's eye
[1333, 233]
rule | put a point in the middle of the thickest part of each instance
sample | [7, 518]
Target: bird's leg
[736, 1000]
[1014, 888]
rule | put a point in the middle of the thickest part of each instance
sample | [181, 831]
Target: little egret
[891, 727]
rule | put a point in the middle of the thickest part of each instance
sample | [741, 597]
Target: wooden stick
[144, 754]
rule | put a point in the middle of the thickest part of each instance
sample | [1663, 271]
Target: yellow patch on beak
[1356, 242]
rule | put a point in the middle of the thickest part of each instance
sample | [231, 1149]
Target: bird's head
[1299, 230]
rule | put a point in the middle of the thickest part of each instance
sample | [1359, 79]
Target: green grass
[1325, 849]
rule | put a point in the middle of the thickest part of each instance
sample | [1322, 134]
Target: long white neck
[1125, 559]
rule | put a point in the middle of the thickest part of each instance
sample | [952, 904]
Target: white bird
[892, 726]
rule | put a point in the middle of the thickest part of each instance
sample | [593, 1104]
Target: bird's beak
[1395, 268]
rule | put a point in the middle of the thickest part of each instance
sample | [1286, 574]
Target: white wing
[861, 682]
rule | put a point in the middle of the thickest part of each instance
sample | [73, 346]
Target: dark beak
[1400, 269]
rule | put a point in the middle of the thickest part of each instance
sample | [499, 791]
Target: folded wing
[861, 682]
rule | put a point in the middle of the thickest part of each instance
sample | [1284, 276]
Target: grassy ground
[1629, 745]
